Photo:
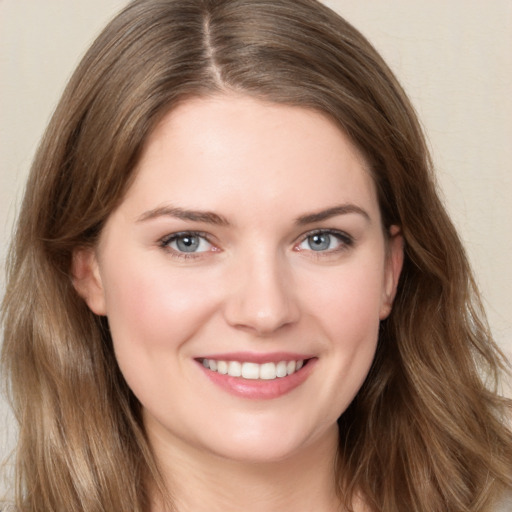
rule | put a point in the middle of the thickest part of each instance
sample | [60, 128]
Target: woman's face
[249, 243]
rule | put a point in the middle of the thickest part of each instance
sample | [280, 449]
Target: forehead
[212, 150]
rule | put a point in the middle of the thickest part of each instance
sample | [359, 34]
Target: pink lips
[257, 389]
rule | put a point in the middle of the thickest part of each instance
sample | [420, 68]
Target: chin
[270, 443]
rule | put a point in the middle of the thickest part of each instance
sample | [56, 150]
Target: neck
[205, 482]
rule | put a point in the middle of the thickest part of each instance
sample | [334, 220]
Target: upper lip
[260, 358]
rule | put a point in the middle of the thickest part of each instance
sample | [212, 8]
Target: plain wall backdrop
[454, 58]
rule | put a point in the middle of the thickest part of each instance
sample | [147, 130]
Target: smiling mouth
[254, 371]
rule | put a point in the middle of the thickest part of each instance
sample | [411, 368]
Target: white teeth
[253, 371]
[268, 371]
[250, 370]
[235, 369]
[222, 367]
[281, 369]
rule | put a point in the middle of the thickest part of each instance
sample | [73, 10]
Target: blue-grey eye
[319, 241]
[324, 241]
[188, 242]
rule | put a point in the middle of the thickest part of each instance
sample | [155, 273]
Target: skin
[255, 285]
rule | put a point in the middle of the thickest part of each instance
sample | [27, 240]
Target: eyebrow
[181, 213]
[342, 209]
[216, 219]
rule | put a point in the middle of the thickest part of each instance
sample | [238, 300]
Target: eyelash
[346, 242]
[168, 239]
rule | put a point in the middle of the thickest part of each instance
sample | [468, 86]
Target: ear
[393, 268]
[86, 279]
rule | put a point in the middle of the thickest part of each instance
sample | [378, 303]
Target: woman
[234, 286]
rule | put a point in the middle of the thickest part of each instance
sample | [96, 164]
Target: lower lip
[258, 389]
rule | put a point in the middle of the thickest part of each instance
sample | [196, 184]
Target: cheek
[347, 310]
[348, 301]
[152, 315]
[154, 307]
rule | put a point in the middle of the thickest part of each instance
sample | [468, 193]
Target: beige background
[454, 58]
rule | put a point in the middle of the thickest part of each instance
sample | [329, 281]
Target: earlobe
[394, 263]
[86, 279]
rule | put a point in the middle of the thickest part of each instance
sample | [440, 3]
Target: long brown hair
[427, 430]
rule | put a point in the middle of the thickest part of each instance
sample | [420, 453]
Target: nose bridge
[262, 297]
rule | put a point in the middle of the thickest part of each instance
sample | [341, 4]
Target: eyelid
[345, 239]
[167, 239]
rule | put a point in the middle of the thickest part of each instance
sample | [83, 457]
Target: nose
[262, 298]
